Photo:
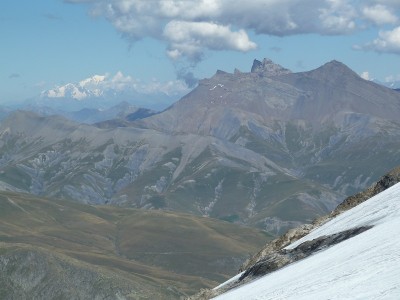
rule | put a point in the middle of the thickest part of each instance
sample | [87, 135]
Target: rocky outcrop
[289, 237]
[268, 68]
[284, 257]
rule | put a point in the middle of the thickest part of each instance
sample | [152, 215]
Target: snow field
[366, 266]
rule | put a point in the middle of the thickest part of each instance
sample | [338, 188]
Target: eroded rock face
[268, 68]
[276, 245]
[284, 257]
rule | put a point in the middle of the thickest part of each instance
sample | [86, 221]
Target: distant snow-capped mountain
[90, 87]
[104, 91]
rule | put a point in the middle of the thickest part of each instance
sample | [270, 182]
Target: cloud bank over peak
[191, 27]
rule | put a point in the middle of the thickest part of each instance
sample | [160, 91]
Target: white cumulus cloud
[339, 17]
[189, 28]
[190, 38]
[192, 27]
[392, 3]
[388, 41]
[379, 14]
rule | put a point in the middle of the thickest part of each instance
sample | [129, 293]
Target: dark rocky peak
[268, 68]
[257, 66]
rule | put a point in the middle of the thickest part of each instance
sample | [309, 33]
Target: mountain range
[268, 148]
[121, 111]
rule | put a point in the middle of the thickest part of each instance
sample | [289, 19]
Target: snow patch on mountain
[362, 267]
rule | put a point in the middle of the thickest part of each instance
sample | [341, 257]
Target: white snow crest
[363, 267]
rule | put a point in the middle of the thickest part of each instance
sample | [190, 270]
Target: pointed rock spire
[257, 66]
[268, 68]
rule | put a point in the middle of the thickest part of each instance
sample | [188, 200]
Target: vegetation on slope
[60, 249]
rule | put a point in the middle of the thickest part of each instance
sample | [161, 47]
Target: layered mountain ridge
[122, 110]
[268, 148]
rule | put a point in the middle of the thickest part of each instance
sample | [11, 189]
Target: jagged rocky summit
[268, 68]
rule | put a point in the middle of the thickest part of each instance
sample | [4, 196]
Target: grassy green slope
[141, 253]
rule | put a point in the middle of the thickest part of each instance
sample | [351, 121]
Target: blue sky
[157, 44]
